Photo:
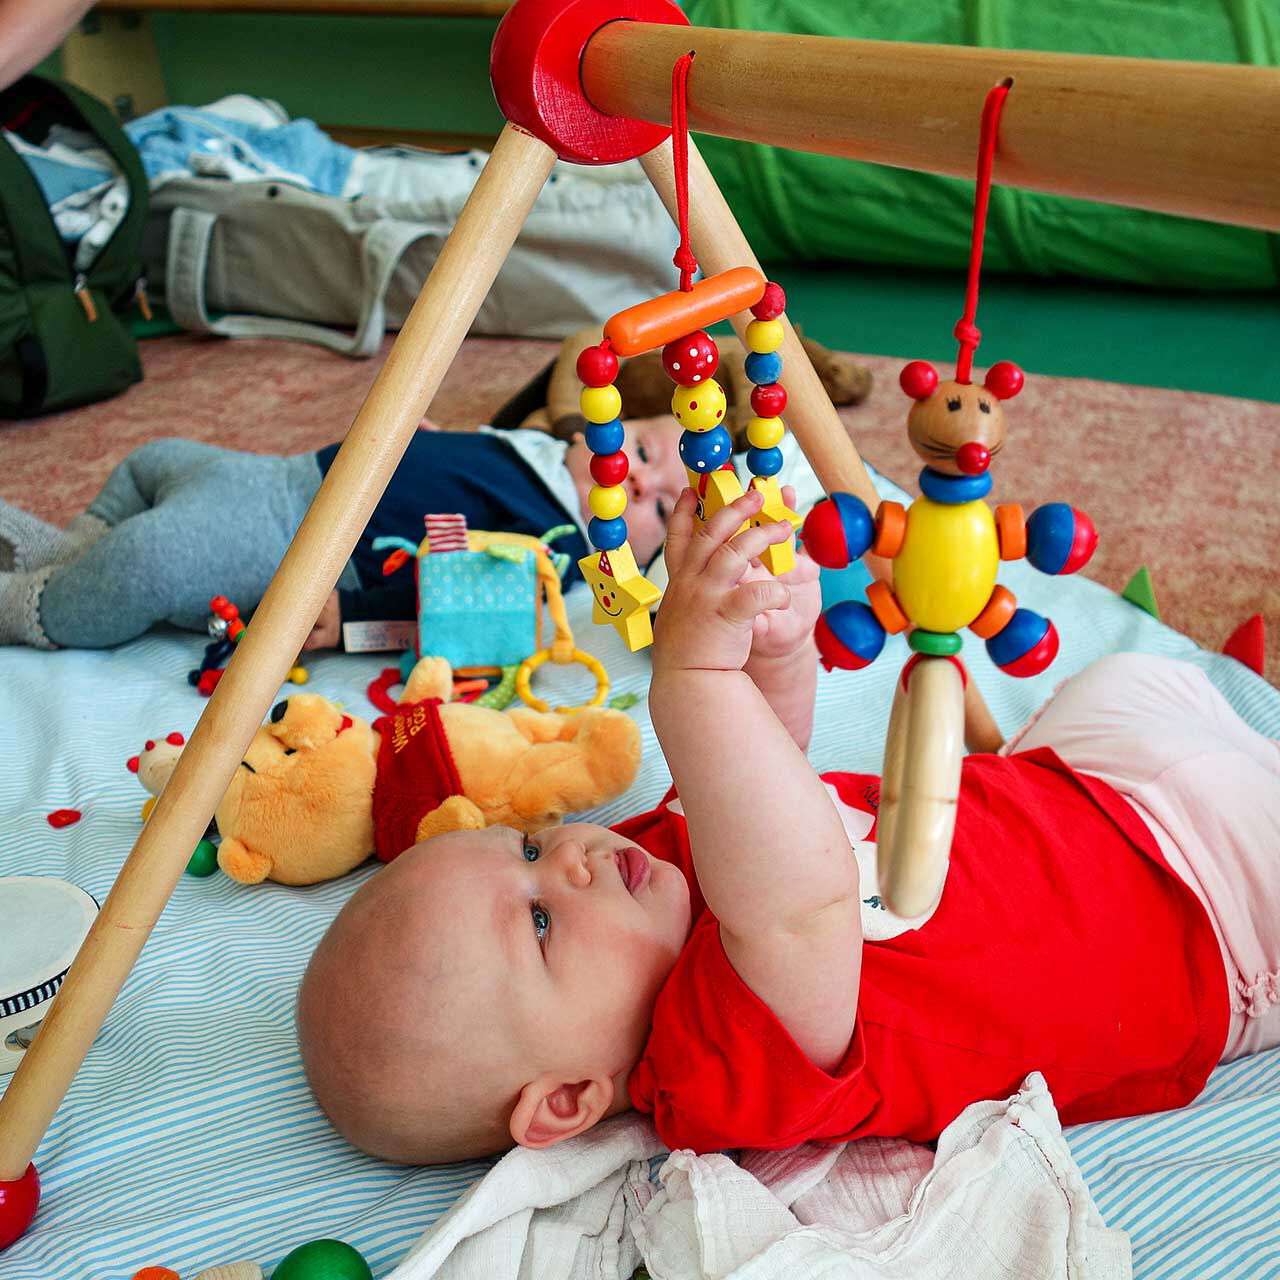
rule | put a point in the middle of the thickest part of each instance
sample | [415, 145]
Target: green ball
[938, 644]
[204, 862]
[323, 1260]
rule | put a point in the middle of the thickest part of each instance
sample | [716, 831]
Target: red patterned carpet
[1184, 483]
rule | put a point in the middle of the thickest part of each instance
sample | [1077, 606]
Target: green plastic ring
[937, 644]
[204, 862]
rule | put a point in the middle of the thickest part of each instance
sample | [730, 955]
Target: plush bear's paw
[457, 813]
[242, 863]
[431, 678]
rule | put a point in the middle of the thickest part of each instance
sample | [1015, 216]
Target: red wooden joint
[919, 657]
[535, 66]
[18, 1201]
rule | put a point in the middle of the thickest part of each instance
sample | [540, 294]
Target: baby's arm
[772, 856]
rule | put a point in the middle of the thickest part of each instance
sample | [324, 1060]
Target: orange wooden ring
[884, 604]
[891, 529]
[652, 324]
[155, 1273]
[995, 614]
[1011, 532]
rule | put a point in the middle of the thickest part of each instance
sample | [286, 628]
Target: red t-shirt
[415, 774]
[1063, 944]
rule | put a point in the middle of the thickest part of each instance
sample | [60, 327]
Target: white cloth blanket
[1000, 1197]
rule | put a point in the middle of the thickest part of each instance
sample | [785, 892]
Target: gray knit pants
[186, 521]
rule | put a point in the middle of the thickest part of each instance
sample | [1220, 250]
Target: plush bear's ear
[1004, 380]
[242, 863]
[305, 720]
[919, 379]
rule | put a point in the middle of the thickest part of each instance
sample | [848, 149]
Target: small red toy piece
[608, 469]
[597, 366]
[63, 818]
[1247, 643]
[772, 303]
[691, 358]
[18, 1201]
[535, 66]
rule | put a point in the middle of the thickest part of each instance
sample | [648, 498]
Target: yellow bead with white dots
[607, 503]
[764, 335]
[600, 404]
[765, 433]
[699, 408]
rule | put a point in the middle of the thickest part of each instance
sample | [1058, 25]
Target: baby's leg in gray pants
[187, 521]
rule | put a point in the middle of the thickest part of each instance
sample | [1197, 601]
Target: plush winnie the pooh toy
[319, 791]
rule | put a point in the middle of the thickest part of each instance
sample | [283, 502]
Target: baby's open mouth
[633, 867]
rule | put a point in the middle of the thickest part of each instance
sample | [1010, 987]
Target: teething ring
[532, 663]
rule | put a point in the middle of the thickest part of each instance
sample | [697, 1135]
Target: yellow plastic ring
[532, 663]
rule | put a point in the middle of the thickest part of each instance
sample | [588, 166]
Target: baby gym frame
[590, 81]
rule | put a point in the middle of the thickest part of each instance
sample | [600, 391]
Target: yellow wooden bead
[607, 504]
[764, 335]
[699, 408]
[764, 433]
[600, 404]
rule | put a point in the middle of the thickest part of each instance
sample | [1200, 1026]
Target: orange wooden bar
[654, 323]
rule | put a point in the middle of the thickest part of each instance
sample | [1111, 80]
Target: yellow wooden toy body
[946, 571]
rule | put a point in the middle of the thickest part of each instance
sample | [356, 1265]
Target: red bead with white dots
[769, 400]
[597, 366]
[772, 304]
[691, 360]
[608, 469]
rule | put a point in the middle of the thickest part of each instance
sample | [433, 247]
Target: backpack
[64, 334]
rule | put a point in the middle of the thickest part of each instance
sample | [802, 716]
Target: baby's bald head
[489, 987]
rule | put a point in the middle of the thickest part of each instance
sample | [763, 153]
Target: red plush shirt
[1063, 944]
[415, 774]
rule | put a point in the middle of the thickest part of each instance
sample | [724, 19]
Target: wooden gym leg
[400, 395]
[719, 244]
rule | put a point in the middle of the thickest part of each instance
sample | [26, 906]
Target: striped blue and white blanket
[189, 1138]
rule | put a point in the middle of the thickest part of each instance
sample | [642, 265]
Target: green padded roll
[795, 206]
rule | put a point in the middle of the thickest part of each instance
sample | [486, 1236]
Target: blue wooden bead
[607, 535]
[1019, 635]
[1051, 531]
[849, 636]
[605, 437]
[764, 367]
[704, 451]
[764, 462]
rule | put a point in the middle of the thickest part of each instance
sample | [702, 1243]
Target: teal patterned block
[477, 609]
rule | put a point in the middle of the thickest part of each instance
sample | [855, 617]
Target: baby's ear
[549, 1110]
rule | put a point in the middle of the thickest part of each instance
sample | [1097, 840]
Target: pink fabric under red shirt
[1063, 944]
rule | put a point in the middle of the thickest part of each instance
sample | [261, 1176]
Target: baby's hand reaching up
[781, 633]
[713, 600]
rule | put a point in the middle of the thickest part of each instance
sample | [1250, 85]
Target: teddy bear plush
[319, 791]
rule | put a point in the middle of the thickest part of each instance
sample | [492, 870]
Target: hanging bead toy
[947, 546]
[677, 322]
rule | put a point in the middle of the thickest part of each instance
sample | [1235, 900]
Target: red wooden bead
[692, 359]
[772, 304]
[608, 469]
[597, 366]
[769, 400]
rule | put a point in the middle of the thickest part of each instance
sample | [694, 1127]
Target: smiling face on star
[608, 597]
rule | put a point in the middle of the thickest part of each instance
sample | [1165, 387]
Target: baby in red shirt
[706, 962]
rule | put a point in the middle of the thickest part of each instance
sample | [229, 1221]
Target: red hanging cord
[967, 333]
[684, 258]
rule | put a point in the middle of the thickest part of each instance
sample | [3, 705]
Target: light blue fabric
[188, 1137]
[175, 139]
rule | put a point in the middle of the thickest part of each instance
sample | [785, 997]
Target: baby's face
[559, 940]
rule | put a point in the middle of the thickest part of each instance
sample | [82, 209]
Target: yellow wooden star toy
[780, 558]
[623, 595]
[715, 490]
